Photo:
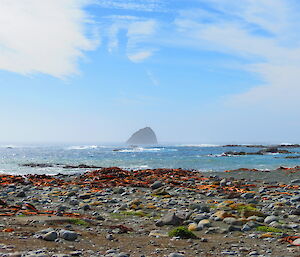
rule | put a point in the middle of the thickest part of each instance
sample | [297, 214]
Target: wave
[138, 149]
[137, 167]
[83, 147]
[199, 145]
[10, 146]
[213, 155]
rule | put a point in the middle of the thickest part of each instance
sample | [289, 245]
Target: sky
[198, 71]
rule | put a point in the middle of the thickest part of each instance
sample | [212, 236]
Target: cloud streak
[265, 40]
[138, 32]
[46, 36]
[135, 5]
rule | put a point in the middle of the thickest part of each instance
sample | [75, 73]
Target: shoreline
[115, 212]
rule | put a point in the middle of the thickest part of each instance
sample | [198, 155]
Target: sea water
[198, 157]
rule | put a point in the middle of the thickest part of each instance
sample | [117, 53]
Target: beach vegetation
[269, 229]
[243, 207]
[78, 222]
[138, 213]
[182, 232]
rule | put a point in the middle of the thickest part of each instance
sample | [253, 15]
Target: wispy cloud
[139, 56]
[152, 78]
[138, 33]
[265, 39]
[43, 36]
[136, 5]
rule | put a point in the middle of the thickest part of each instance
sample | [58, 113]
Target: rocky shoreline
[161, 212]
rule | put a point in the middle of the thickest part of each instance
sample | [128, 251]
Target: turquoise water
[199, 157]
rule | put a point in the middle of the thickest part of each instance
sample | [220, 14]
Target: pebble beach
[151, 212]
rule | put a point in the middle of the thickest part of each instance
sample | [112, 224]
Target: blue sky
[202, 71]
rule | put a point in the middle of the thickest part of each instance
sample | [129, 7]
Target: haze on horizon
[203, 71]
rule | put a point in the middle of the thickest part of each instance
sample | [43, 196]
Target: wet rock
[37, 165]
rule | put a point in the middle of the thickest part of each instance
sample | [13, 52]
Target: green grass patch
[135, 213]
[125, 214]
[182, 232]
[117, 216]
[247, 207]
[78, 222]
[269, 229]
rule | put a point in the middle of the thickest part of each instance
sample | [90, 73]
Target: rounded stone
[68, 235]
[50, 236]
[270, 219]
[175, 255]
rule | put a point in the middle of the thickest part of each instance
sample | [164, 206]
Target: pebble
[297, 241]
[68, 235]
[21, 194]
[295, 198]
[204, 223]
[253, 253]
[156, 185]
[246, 228]
[50, 236]
[123, 255]
[175, 255]
[170, 219]
[270, 219]
[226, 213]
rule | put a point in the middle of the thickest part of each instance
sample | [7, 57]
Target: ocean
[199, 157]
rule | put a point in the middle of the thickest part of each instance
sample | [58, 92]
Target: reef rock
[143, 137]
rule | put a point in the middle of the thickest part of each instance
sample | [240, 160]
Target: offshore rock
[145, 136]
